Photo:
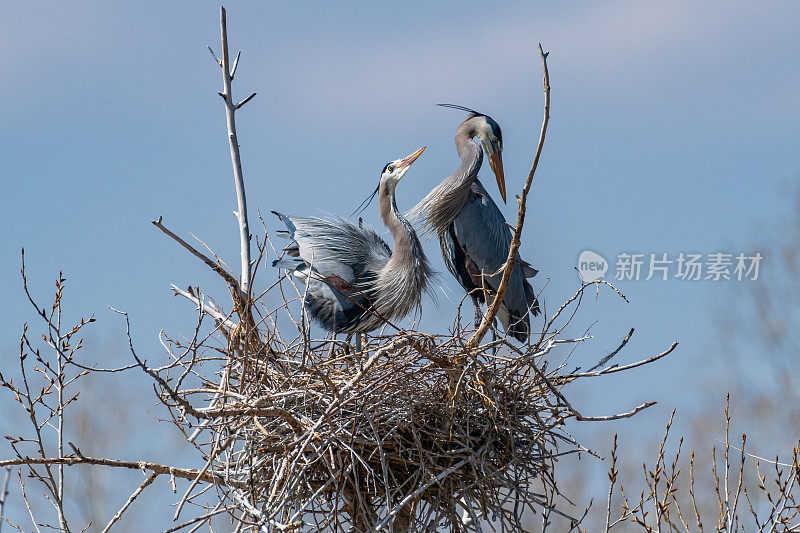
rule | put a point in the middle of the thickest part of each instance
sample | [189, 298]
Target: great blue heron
[355, 281]
[472, 231]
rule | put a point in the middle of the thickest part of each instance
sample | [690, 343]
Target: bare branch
[211, 50]
[205, 307]
[610, 356]
[184, 473]
[622, 368]
[216, 267]
[576, 413]
[235, 64]
[201, 518]
[148, 480]
[491, 313]
[240, 104]
[617, 416]
[230, 109]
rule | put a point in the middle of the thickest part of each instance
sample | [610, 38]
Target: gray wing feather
[334, 249]
[338, 247]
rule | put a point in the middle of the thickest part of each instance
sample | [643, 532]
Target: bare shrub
[765, 498]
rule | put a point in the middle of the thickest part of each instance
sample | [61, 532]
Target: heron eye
[390, 168]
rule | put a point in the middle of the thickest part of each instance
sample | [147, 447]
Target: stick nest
[417, 430]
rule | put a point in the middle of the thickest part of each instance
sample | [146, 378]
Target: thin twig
[148, 480]
[233, 282]
[613, 369]
[4, 494]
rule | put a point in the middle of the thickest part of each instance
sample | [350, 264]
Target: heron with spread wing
[356, 283]
[473, 233]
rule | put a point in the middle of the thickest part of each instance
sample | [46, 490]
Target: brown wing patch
[474, 273]
[339, 283]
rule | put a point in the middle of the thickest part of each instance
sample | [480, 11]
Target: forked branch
[228, 73]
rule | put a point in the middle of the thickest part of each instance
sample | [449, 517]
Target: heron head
[488, 132]
[394, 171]
[391, 174]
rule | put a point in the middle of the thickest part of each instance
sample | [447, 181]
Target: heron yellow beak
[406, 161]
[496, 161]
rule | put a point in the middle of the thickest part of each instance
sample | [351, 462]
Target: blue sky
[674, 127]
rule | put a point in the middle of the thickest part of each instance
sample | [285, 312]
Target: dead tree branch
[148, 480]
[215, 266]
[71, 460]
[488, 318]
[236, 161]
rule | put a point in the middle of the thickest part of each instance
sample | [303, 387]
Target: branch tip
[240, 104]
[235, 64]
[219, 62]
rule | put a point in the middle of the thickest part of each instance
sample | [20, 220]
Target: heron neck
[402, 280]
[469, 150]
[399, 227]
[442, 205]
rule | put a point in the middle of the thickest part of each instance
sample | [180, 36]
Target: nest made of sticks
[411, 436]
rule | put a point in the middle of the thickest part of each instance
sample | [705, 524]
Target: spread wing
[345, 260]
[336, 248]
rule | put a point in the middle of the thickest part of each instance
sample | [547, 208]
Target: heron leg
[332, 348]
[347, 343]
[358, 348]
[478, 312]
[494, 336]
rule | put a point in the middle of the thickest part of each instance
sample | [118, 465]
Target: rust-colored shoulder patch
[339, 283]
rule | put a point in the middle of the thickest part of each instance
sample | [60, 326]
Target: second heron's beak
[405, 163]
[496, 161]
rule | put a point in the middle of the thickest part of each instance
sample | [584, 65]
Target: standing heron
[355, 281]
[473, 233]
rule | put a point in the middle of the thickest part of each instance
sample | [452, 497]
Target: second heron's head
[488, 132]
